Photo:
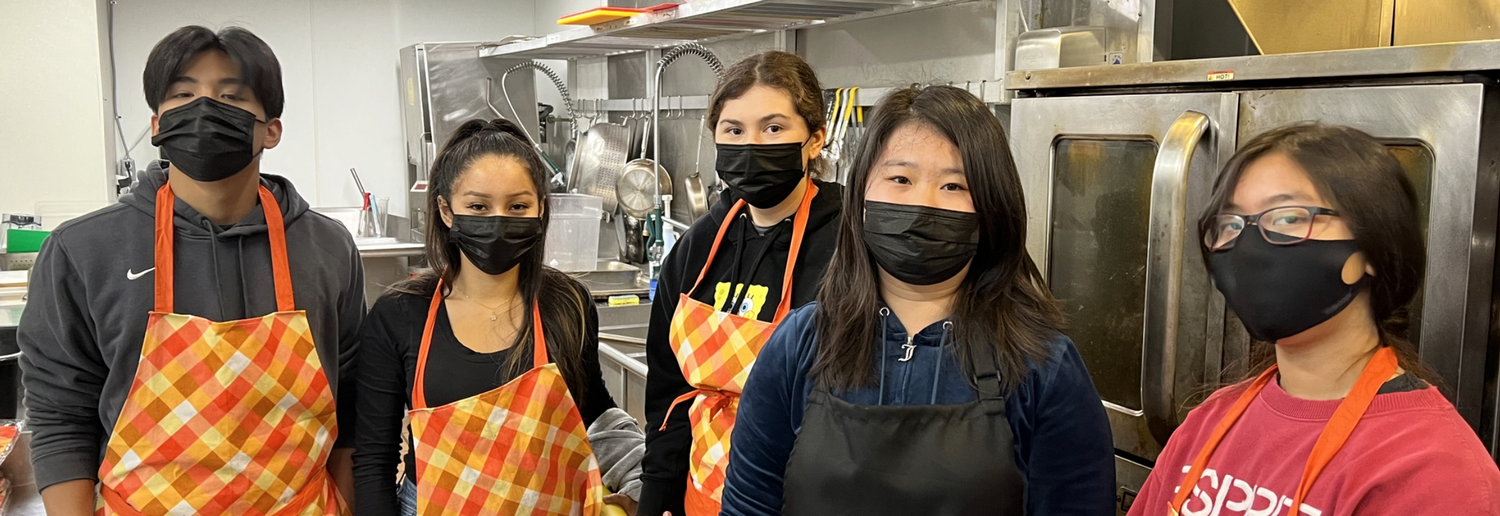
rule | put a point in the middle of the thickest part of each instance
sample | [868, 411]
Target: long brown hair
[561, 298]
[1003, 301]
[1366, 184]
[782, 71]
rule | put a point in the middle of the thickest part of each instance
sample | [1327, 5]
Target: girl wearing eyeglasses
[1314, 240]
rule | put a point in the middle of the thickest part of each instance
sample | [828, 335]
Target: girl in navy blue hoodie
[931, 376]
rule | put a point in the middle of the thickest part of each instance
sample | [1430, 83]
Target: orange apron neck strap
[799, 229]
[712, 251]
[1334, 435]
[1345, 418]
[418, 394]
[539, 356]
[280, 267]
[165, 200]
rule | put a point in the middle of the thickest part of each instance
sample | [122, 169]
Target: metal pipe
[676, 224]
[666, 60]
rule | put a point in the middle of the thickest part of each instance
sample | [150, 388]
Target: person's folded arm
[664, 470]
[1070, 464]
[63, 373]
[351, 313]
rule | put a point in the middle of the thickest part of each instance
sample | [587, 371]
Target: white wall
[338, 60]
[54, 101]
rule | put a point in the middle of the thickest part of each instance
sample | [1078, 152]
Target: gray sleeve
[351, 318]
[62, 370]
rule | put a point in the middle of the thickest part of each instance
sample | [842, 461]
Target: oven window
[1101, 203]
[1417, 160]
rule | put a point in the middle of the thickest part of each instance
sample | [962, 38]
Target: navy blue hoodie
[1062, 442]
[92, 288]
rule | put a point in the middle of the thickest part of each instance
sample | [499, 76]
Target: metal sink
[622, 355]
[625, 323]
[612, 278]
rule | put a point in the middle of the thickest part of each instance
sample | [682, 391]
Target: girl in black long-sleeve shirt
[485, 240]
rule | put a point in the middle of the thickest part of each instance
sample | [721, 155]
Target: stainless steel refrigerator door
[1114, 185]
[1437, 131]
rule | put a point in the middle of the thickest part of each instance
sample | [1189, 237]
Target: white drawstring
[947, 325]
[884, 313]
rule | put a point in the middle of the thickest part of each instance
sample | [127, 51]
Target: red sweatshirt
[1410, 455]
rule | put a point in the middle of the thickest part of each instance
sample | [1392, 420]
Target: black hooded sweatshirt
[748, 255]
[93, 287]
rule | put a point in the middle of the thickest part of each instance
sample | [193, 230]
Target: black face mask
[920, 245]
[1280, 291]
[206, 139]
[762, 175]
[496, 244]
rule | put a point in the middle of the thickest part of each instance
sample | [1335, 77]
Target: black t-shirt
[391, 339]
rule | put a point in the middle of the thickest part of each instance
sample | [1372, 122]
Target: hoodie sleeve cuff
[65, 467]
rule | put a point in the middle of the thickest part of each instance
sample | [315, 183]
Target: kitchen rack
[698, 21]
[990, 90]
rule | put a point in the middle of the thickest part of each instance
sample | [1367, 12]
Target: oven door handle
[1164, 257]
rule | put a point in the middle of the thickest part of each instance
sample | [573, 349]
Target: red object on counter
[662, 7]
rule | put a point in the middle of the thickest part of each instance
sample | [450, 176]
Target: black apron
[941, 460]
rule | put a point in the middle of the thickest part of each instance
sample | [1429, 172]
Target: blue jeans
[408, 496]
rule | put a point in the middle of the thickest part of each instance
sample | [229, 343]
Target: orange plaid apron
[223, 417]
[716, 350]
[1379, 369]
[519, 449]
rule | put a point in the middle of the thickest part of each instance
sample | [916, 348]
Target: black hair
[259, 69]
[1365, 183]
[1002, 302]
[563, 301]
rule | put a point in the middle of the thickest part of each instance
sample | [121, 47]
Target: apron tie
[715, 402]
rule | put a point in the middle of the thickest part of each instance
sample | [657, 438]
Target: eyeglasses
[1286, 225]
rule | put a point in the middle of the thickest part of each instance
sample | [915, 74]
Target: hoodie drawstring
[738, 295]
[947, 326]
[734, 269]
[213, 249]
[244, 288]
[884, 313]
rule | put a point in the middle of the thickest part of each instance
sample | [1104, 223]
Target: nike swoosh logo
[132, 275]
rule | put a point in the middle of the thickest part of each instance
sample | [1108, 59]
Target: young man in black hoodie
[217, 100]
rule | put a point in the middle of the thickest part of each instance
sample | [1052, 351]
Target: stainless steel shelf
[988, 90]
[1441, 58]
[700, 20]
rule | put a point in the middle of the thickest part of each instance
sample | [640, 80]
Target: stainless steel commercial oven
[1117, 163]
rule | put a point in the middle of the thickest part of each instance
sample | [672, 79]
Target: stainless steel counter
[622, 355]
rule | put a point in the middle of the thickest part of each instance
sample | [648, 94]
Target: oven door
[1114, 186]
[1436, 133]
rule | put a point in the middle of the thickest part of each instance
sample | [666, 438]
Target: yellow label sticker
[1222, 75]
[411, 91]
[624, 300]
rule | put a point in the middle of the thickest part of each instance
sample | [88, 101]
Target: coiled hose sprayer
[656, 219]
[562, 88]
[671, 56]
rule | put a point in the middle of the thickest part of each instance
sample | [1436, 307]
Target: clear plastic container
[573, 232]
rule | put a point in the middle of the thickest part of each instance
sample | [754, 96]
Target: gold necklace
[494, 311]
